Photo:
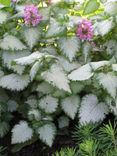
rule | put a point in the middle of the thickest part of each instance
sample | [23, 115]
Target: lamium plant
[58, 63]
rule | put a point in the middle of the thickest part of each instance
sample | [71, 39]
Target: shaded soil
[39, 149]
[63, 139]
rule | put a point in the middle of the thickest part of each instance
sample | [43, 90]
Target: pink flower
[31, 15]
[85, 30]
[49, 2]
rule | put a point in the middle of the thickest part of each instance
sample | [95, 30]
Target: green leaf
[47, 133]
[18, 147]
[5, 2]
[91, 6]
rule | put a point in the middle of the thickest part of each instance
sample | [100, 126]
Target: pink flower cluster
[31, 15]
[85, 30]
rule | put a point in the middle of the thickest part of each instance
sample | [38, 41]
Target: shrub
[57, 57]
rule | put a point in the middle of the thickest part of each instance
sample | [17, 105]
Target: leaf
[91, 110]
[45, 88]
[91, 6]
[111, 8]
[81, 74]
[27, 60]
[47, 133]
[111, 46]
[49, 49]
[10, 42]
[86, 50]
[105, 27]
[69, 46]
[59, 93]
[34, 69]
[1, 73]
[21, 133]
[57, 77]
[18, 147]
[76, 87]
[34, 114]
[70, 105]
[86, 71]
[4, 128]
[114, 67]
[8, 57]
[112, 104]
[31, 36]
[3, 17]
[109, 82]
[12, 105]
[97, 65]
[68, 66]
[73, 20]
[14, 82]
[3, 96]
[55, 29]
[49, 104]
[63, 121]
[32, 102]
[45, 13]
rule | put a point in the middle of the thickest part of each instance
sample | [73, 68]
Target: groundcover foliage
[57, 58]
